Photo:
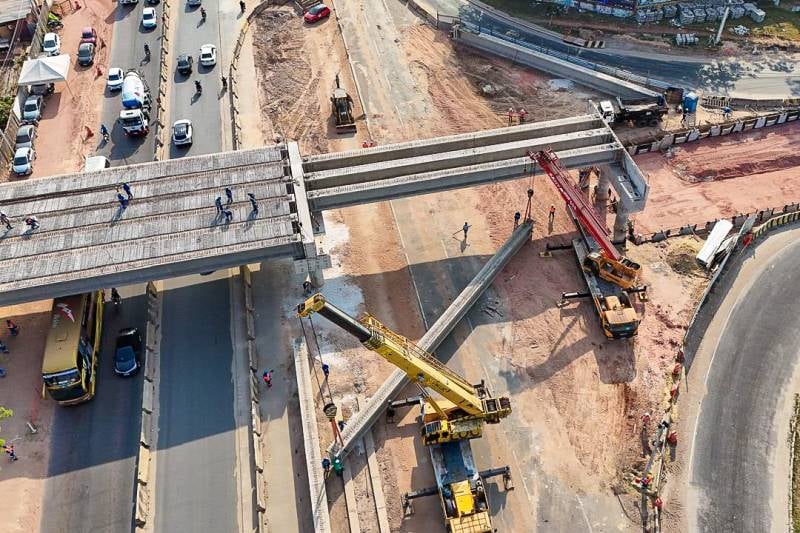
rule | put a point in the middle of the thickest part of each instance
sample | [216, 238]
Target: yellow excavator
[446, 430]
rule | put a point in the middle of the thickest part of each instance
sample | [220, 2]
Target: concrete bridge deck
[170, 228]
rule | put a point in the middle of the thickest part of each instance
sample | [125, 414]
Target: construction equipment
[447, 429]
[342, 110]
[641, 113]
[604, 259]
[609, 276]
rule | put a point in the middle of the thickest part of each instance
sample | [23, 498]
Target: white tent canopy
[44, 70]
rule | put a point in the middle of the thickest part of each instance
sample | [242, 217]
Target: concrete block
[146, 433]
[255, 418]
[143, 466]
[261, 497]
[251, 328]
[258, 454]
[142, 505]
[147, 397]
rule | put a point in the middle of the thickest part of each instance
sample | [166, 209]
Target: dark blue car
[128, 355]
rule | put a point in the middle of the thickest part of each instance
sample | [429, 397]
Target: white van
[96, 163]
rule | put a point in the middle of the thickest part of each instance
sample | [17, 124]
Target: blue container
[690, 102]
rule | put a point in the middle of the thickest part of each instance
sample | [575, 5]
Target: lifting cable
[324, 383]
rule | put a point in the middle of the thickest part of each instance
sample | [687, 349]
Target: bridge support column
[316, 278]
[620, 225]
[603, 184]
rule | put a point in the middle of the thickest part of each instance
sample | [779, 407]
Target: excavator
[449, 425]
[342, 110]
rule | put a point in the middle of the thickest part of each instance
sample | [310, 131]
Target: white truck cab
[607, 111]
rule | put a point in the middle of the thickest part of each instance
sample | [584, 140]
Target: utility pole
[721, 25]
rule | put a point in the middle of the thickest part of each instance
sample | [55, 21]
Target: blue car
[128, 355]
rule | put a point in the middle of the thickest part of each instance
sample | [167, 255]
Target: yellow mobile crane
[446, 431]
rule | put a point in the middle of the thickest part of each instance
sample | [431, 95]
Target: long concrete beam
[316, 477]
[363, 420]
[450, 143]
[593, 79]
[454, 178]
[458, 158]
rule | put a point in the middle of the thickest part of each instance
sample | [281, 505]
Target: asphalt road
[127, 52]
[204, 109]
[734, 459]
[195, 460]
[94, 445]
[768, 75]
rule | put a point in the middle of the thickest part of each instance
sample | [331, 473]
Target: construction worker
[267, 377]
[326, 465]
[517, 216]
[337, 466]
[510, 116]
[552, 214]
[522, 114]
[465, 229]
[326, 369]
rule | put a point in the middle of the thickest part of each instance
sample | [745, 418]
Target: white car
[149, 18]
[23, 161]
[182, 132]
[208, 55]
[115, 77]
[51, 44]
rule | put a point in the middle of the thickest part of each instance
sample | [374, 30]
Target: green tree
[5, 413]
[5, 109]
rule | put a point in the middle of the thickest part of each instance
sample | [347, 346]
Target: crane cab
[624, 273]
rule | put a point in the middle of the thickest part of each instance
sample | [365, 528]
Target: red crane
[583, 210]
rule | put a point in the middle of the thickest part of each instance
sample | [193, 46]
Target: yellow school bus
[69, 369]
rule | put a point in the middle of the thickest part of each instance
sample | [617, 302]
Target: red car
[88, 35]
[316, 13]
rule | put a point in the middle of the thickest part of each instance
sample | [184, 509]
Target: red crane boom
[583, 210]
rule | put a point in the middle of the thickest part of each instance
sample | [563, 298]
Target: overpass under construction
[171, 227]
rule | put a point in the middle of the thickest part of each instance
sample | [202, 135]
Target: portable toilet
[690, 102]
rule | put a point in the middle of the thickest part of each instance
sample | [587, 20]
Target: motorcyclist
[146, 51]
[104, 131]
[115, 297]
[198, 87]
[224, 82]
[203, 14]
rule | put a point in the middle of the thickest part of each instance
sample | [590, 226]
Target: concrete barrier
[143, 466]
[555, 66]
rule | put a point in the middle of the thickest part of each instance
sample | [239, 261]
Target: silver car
[25, 135]
[32, 109]
[22, 165]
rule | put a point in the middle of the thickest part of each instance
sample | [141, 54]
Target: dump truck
[447, 424]
[136, 104]
[641, 113]
[342, 110]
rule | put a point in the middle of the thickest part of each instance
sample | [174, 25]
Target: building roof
[11, 10]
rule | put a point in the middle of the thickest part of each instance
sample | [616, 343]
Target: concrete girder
[363, 420]
[453, 178]
[459, 158]
[450, 143]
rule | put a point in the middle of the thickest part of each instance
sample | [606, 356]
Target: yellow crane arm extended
[419, 365]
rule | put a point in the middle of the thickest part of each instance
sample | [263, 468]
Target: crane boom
[471, 404]
[584, 212]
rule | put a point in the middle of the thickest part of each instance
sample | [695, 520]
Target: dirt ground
[21, 391]
[61, 143]
[60, 148]
[720, 177]
[580, 394]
